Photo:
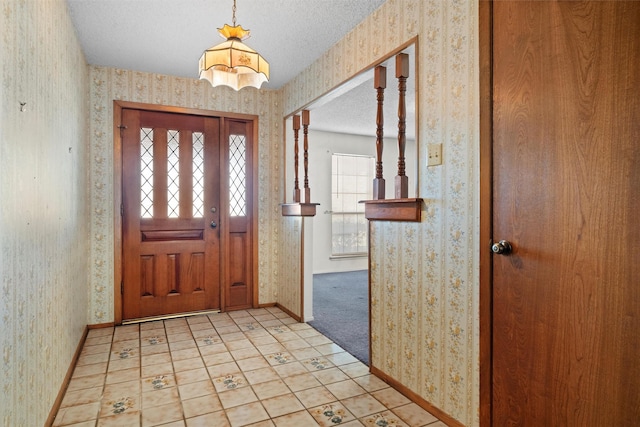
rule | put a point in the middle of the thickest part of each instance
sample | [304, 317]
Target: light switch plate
[434, 154]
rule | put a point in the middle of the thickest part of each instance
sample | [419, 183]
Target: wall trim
[302, 271]
[414, 397]
[485, 24]
[291, 314]
[67, 378]
[266, 305]
[101, 325]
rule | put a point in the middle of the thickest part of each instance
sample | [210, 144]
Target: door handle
[503, 247]
[213, 224]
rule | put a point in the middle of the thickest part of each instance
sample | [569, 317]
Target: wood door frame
[118, 106]
[485, 27]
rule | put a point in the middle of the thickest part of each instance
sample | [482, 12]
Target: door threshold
[168, 316]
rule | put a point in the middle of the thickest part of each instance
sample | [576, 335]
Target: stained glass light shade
[233, 63]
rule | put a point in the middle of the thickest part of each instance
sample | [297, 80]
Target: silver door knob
[501, 248]
[213, 224]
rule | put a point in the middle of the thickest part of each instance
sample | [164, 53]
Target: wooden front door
[566, 195]
[178, 199]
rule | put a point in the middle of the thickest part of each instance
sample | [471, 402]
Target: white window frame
[351, 181]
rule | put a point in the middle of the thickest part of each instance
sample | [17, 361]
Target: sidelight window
[237, 175]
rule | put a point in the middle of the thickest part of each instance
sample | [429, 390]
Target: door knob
[213, 224]
[501, 248]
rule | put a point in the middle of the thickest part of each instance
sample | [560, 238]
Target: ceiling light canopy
[233, 63]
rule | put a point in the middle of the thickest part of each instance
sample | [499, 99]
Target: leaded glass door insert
[237, 175]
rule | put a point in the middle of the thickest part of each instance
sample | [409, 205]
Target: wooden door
[238, 179]
[566, 194]
[171, 203]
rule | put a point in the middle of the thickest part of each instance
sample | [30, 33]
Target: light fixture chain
[234, 13]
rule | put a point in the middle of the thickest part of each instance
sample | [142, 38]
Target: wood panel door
[171, 211]
[566, 194]
[238, 178]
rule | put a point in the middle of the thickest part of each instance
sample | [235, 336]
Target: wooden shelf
[393, 209]
[299, 209]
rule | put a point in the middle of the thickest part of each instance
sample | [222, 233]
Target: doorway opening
[340, 294]
[344, 121]
[341, 310]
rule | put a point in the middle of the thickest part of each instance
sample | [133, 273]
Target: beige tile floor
[244, 368]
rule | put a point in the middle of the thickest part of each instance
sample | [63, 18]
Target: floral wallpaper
[109, 84]
[290, 290]
[425, 276]
[44, 219]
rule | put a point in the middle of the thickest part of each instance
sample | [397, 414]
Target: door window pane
[146, 172]
[198, 174]
[173, 174]
[237, 175]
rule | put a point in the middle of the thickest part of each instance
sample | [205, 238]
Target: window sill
[346, 256]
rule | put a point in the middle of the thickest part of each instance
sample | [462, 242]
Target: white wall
[44, 215]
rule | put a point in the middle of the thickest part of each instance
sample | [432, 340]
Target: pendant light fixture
[232, 63]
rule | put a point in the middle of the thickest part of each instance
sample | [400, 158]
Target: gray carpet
[341, 310]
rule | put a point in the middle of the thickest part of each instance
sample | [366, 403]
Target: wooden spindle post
[299, 207]
[296, 187]
[305, 128]
[379, 83]
[402, 72]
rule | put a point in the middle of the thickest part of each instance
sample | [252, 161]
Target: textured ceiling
[168, 37]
